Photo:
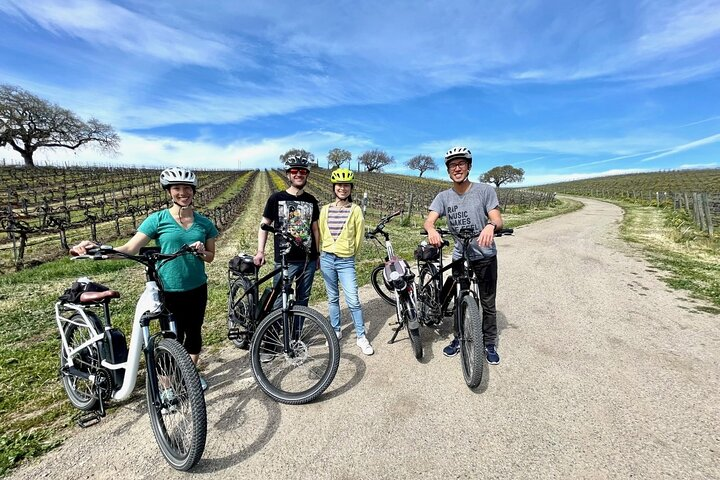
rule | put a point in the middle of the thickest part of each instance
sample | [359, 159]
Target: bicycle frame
[466, 282]
[149, 307]
[282, 288]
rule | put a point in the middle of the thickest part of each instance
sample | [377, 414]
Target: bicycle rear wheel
[429, 295]
[303, 373]
[385, 291]
[471, 341]
[409, 317]
[81, 391]
[240, 312]
[179, 419]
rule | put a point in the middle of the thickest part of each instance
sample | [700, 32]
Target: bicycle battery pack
[118, 350]
[264, 298]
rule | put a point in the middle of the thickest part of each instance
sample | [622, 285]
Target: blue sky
[563, 89]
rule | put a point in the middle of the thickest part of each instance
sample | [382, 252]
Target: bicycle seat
[97, 297]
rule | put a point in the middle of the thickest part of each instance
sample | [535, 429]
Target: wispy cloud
[101, 23]
[705, 120]
[688, 146]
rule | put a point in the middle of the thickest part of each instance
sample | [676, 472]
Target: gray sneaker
[203, 383]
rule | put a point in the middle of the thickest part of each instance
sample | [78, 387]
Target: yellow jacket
[351, 236]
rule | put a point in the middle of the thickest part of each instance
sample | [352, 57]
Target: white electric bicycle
[96, 364]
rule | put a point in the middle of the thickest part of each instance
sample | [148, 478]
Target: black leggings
[188, 309]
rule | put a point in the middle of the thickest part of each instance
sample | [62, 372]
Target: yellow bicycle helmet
[342, 175]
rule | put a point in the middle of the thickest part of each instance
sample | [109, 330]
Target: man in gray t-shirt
[472, 207]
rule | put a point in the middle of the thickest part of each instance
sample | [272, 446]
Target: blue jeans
[341, 271]
[302, 275]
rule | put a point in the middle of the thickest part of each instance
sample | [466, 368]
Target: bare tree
[27, 122]
[422, 163]
[375, 160]
[504, 174]
[297, 152]
[337, 156]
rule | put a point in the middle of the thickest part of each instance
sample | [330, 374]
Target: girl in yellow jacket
[341, 233]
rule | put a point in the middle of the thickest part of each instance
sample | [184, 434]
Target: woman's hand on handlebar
[82, 248]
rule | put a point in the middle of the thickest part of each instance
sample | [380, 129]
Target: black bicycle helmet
[297, 161]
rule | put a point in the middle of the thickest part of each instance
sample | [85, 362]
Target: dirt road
[605, 373]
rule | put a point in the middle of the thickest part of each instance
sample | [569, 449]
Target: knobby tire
[304, 373]
[179, 425]
[472, 348]
[81, 392]
[383, 289]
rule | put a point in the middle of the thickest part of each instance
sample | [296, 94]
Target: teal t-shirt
[187, 271]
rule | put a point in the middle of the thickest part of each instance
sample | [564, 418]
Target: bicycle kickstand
[396, 330]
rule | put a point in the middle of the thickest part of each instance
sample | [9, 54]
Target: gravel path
[605, 373]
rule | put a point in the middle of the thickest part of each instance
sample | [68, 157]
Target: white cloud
[687, 146]
[543, 179]
[102, 23]
[161, 152]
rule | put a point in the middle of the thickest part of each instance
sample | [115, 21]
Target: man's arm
[259, 258]
[495, 222]
[434, 237]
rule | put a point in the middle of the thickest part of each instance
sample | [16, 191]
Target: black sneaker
[491, 354]
[452, 349]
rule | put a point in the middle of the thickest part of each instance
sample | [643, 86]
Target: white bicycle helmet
[177, 176]
[458, 152]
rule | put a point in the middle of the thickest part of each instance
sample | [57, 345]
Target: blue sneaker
[452, 349]
[491, 354]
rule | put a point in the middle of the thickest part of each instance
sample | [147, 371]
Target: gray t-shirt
[469, 210]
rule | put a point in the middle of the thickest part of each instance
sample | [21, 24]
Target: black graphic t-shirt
[295, 214]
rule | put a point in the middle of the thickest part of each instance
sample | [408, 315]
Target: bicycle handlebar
[293, 240]
[149, 256]
[381, 224]
[470, 234]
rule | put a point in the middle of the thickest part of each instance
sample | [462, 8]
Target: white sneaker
[365, 346]
[338, 333]
[203, 384]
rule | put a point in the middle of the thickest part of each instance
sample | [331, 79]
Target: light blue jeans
[338, 271]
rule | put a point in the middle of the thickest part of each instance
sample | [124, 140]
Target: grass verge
[689, 258]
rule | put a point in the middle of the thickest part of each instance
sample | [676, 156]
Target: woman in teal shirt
[184, 280]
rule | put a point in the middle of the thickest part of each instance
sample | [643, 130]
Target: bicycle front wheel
[179, 419]
[409, 315]
[385, 291]
[307, 369]
[81, 391]
[471, 341]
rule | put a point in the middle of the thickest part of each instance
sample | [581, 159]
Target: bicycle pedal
[233, 334]
[89, 420]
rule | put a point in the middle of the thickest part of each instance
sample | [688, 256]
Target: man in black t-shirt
[297, 212]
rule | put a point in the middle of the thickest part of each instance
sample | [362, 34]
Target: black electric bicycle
[294, 351]
[462, 289]
[395, 283]
[97, 365]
